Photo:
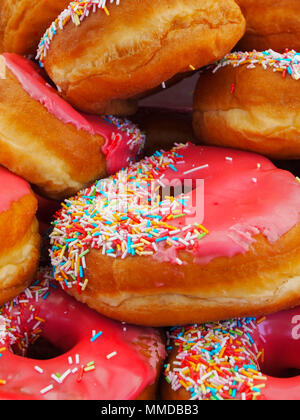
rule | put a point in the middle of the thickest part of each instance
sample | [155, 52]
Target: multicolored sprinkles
[216, 361]
[76, 12]
[12, 332]
[287, 63]
[121, 216]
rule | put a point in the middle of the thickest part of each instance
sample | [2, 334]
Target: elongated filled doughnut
[101, 53]
[49, 143]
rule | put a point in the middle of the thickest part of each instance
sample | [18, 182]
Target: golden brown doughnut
[128, 48]
[50, 144]
[19, 238]
[270, 24]
[229, 246]
[23, 22]
[251, 101]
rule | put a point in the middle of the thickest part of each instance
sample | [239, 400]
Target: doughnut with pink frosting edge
[98, 359]
[123, 141]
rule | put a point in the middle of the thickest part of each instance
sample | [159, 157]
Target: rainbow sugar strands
[14, 332]
[287, 63]
[121, 216]
[216, 361]
[76, 12]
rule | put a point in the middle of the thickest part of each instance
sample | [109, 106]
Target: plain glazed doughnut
[270, 24]
[100, 53]
[137, 247]
[55, 348]
[19, 238]
[22, 23]
[251, 101]
[50, 144]
[240, 359]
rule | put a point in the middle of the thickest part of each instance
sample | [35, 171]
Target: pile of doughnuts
[149, 200]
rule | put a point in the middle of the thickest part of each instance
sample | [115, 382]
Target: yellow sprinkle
[39, 319]
[84, 285]
[222, 352]
[106, 10]
[184, 384]
[192, 67]
[261, 320]
[2, 381]
[260, 378]
[76, 20]
[246, 373]
[260, 386]
[87, 369]
[203, 228]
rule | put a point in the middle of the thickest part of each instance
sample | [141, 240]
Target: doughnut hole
[44, 337]
[281, 346]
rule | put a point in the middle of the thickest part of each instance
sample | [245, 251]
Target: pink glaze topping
[250, 358]
[100, 360]
[233, 197]
[12, 188]
[123, 140]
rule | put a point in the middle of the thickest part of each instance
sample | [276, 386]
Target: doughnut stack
[149, 200]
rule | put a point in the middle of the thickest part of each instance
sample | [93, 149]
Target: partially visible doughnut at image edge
[250, 101]
[19, 236]
[105, 55]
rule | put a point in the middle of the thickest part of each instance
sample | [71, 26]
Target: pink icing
[118, 153]
[279, 336]
[69, 324]
[244, 195]
[12, 188]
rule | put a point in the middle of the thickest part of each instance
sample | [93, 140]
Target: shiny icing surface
[123, 140]
[233, 197]
[253, 358]
[12, 188]
[100, 360]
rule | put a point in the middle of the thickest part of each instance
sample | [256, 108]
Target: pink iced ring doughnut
[238, 359]
[89, 357]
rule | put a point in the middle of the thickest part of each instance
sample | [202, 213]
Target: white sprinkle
[47, 389]
[195, 169]
[38, 369]
[109, 356]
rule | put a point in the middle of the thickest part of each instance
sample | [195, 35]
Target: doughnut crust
[250, 109]
[35, 151]
[57, 156]
[20, 247]
[23, 22]
[270, 24]
[248, 263]
[107, 59]
[265, 280]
